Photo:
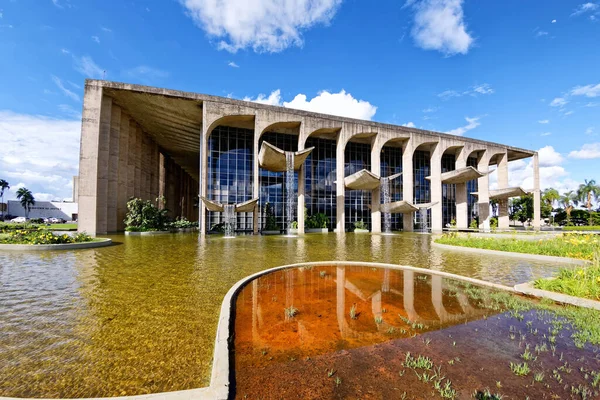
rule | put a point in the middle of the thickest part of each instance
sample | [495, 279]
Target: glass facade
[272, 184]
[229, 176]
[391, 163]
[357, 156]
[472, 186]
[320, 177]
[448, 191]
[422, 187]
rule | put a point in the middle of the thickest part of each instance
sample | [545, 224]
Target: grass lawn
[582, 228]
[580, 282]
[61, 227]
[579, 246]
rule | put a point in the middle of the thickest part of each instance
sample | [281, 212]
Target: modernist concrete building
[146, 142]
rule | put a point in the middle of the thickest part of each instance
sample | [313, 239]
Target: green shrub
[474, 224]
[360, 225]
[182, 223]
[270, 220]
[317, 221]
[41, 236]
[294, 224]
[143, 216]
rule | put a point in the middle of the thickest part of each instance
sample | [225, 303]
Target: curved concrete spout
[461, 175]
[506, 193]
[247, 206]
[272, 158]
[399, 207]
[365, 180]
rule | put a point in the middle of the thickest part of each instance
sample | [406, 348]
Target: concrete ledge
[523, 256]
[361, 231]
[149, 233]
[528, 289]
[46, 247]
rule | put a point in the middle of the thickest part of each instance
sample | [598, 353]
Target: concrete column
[503, 217]
[435, 183]
[131, 157]
[204, 181]
[375, 193]
[537, 211]
[340, 188]
[483, 202]
[255, 177]
[137, 186]
[113, 169]
[462, 197]
[103, 159]
[407, 183]
[144, 169]
[161, 176]
[89, 158]
[122, 173]
[301, 188]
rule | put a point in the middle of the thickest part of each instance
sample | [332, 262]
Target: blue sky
[521, 73]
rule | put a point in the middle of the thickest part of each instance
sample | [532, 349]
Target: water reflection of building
[386, 300]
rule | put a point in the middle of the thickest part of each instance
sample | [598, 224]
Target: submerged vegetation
[567, 245]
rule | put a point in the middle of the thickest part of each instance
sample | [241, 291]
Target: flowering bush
[41, 236]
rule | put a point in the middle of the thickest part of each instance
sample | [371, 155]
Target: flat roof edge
[205, 97]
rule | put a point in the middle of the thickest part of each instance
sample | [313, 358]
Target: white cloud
[233, 64]
[263, 25]
[546, 134]
[430, 110]
[587, 152]
[86, 66]
[589, 131]
[63, 89]
[274, 99]
[96, 39]
[568, 113]
[544, 121]
[472, 124]
[69, 111]
[145, 74]
[409, 125]
[38, 152]
[584, 8]
[448, 94]
[105, 29]
[342, 104]
[56, 3]
[549, 157]
[541, 33]
[439, 25]
[553, 21]
[483, 89]
[558, 102]
[591, 104]
[65, 51]
[587, 90]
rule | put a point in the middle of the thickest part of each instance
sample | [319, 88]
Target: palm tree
[550, 196]
[26, 198]
[3, 186]
[585, 193]
[569, 200]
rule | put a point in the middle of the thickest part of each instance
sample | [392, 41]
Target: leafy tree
[586, 191]
[3, 186]
[550, 197]
[568, 200]
[26, 198]
[521, 208]
[144, 216]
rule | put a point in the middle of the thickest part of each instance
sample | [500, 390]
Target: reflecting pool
[141, 316]
[363, 332]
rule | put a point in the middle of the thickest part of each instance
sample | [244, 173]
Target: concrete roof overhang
[362, 180]
[399, 207]
[246, 206]
[273, 158]
[506, 193]
[460, 175]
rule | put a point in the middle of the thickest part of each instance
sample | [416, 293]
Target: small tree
[585, 193]
[26, 198]
[569, 200]
[144, 216]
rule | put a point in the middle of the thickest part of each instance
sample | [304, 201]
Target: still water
[140, 316]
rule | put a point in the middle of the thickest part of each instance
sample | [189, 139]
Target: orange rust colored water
[322, 352]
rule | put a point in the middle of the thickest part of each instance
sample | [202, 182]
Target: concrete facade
[149, 142]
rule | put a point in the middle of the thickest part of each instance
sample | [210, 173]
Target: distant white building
[45, 209]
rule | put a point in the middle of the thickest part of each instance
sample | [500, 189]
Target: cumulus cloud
[40, 153]
[587, 90]
[439, 25]
[472, 123]
[587, 152]
[63, 89]
[409, 125]
[558, 102]
[342, 104]
[263, 25]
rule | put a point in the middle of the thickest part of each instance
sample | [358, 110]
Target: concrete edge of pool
[523, 256]
[66, 246]
[221, 372]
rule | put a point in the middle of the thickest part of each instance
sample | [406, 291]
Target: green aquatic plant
[338, 381]
[353, 312]
[330, 372]
[378, 319]
[538, 376]
[419, 362]
[323, 274]
[520, 369]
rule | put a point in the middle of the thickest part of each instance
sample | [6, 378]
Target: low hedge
[582, 228]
